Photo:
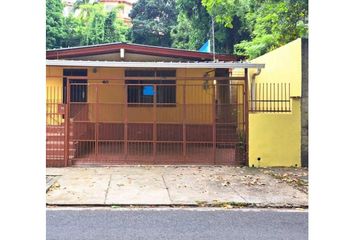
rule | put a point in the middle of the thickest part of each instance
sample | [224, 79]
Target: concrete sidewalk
[145, 185]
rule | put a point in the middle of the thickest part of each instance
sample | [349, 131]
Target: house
[68, 7]
[123, 103]
[127, 6]
[108, 5]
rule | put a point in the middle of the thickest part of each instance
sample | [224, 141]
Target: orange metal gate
[156, 122]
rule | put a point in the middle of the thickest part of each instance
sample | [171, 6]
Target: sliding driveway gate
[151, 122]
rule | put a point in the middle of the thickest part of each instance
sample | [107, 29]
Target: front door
[78, 97]
[78, 92]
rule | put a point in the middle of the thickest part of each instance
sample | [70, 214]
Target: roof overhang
[116, 64]
[92, 50]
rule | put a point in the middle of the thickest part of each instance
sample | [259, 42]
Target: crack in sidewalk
[168, 192]
[109, 185]
[233, 187]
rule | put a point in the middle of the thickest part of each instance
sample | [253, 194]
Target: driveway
[172, 185]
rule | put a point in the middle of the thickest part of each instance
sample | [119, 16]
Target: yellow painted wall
[111, 97]
[275, 138]
[54, 86]
[282, 65]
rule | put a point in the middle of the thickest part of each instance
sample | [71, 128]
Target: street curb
[230, 206]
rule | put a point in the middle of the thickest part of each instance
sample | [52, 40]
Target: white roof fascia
[116, 64]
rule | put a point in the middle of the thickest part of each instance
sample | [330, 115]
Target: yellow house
[125, 103]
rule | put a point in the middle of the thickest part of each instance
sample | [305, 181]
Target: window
[75, 72]
[142, 91]
[78, 89]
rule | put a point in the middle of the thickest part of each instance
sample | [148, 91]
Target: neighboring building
[127, 7]
[125, 103]
[68, 7]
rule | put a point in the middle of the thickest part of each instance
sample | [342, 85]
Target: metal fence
[270, 97]
[55, 128]
[150, 122]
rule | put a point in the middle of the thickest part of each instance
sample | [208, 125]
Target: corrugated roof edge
[165, 51]
[85, 46]
[81, 63]
[132, 44]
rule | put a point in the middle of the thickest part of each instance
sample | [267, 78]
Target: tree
[193, 25]
[273, 23]
[54, 23]
[224, 11]
[182, 35]
[152, 22]
[193, 28]
[245, 27]
[99, 26]
[114, 29]
[78, 3]
[74, 31]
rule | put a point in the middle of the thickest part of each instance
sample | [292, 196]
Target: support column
[154, 126]
[125, 121]
[184, 123]
[96, 124]
[246, 144]
[67, 126]
[214, 124]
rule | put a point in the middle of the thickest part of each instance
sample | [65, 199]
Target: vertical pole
[214, 123]
[246, 117]
[289, 99]
[96, 125]
[213, 33]
[184, 123]
[154, 127]
[125, 121]
[67, 125]
[237, 123]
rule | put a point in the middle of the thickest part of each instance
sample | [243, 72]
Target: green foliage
[54, 23]
[92, 16]
[193, 25]
[256, 47]
[152, 22]
[182, 34]
[247, 28]
[273, 23]
[270, 23]
[223, 10]
[193, 28]
[115, 29]
[78, 3]
[92, 25]
[73, 35]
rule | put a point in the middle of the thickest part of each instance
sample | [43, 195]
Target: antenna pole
[213, 36]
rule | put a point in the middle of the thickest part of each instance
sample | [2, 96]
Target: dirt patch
[51, 182]
[296, 177]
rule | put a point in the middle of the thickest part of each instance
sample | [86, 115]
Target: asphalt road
[176, 224]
